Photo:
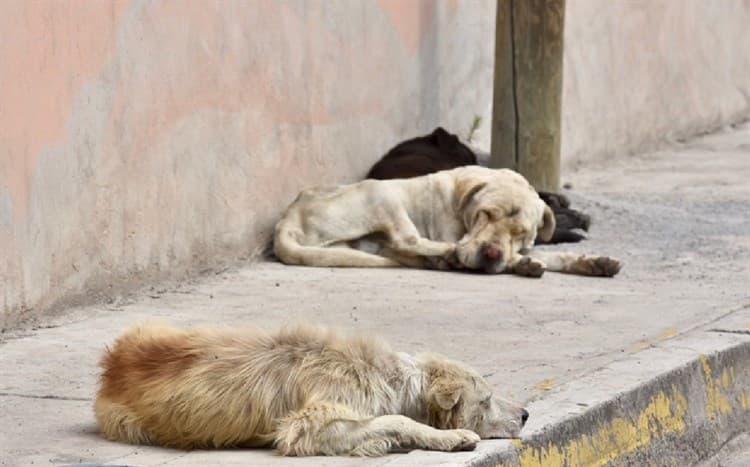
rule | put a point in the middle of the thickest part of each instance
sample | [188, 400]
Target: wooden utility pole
[528, 89]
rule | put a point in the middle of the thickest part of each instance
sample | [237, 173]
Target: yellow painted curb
[666, 413]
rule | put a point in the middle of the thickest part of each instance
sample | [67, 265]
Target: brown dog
[304, 390]
[441, 150]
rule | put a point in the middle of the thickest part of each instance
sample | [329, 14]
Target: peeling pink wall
[144, 140]
[46, 58]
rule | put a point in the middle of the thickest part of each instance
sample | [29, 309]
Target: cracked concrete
[59, 398]
[679, 219]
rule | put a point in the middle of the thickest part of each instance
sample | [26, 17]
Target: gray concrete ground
[678, 218]
[736, 453]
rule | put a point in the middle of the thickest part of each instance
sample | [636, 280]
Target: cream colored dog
[306, 391]
[466, 218]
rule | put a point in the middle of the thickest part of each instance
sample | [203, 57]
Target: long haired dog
[305, 391]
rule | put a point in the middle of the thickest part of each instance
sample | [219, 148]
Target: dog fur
[303, 390]
[442, 150]
[466, 218]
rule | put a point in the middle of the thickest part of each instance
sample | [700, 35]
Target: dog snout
[524, 416]
[491, 253]
[490, 257]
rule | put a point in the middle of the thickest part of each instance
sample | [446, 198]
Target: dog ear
[547, 227]
[465, 190]
[444, 394]
[440, 419]
[446, 141]
[439, 134]
[447, 396]
[442, 401]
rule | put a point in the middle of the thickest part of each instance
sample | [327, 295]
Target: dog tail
[288, 250]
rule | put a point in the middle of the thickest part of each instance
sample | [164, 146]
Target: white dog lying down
[306, 391]
[466, 218]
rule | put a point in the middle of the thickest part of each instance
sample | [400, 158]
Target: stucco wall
[639, 72]
[146, 140]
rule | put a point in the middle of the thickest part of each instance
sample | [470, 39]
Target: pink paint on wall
[202, 65]
[407, 18]
[49, 49]
[451, 6]
[145, 140]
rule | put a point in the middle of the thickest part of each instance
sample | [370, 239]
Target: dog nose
[491, 252]
[524, 416]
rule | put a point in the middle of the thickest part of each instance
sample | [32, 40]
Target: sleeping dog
[441, 150]
[305, 391]
[469, 217]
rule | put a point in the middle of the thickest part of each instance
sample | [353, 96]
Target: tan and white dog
[305, 391]
[466, 218]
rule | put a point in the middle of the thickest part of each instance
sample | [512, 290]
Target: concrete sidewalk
[680, 221]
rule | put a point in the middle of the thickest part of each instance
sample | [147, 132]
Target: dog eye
[514, 211]
[518, 231]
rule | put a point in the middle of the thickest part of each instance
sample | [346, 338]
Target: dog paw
[569, 219]
[554, 200]
[584, 220]
[529, 267]
[441, 264]
[372, 448]
[447, 262]
[461, 440]
[602, 266]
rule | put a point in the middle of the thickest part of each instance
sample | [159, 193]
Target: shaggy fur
[303, 390]
[441, 150]
[466, 218]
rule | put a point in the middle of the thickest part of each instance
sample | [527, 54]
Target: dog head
[458, 397]
[452, 148]
[502, 214]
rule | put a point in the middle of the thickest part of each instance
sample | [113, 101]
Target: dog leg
[330, 429]
[419, 246]
[569, 219]
[416, 262]
[406, 239]
[447, 263]
[337, 257]
[554, 200]
[562, 236]
[403, 432]
[574, 263]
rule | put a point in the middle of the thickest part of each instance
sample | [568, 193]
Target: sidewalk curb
[684, 414]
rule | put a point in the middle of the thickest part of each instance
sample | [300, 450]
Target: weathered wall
[142, 140]
[637, 72]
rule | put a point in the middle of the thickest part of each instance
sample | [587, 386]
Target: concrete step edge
[674, 404]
